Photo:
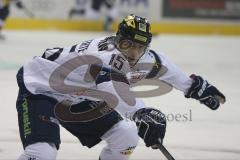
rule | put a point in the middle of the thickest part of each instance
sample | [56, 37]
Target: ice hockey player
[4, 12]
[94, 11]
[85, 89]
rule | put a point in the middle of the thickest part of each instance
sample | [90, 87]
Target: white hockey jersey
[65, 74]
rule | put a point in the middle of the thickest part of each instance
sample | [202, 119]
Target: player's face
[132, 51]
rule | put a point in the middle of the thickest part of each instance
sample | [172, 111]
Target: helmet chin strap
[146, 50]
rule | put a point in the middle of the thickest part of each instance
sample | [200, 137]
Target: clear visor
[132, 51]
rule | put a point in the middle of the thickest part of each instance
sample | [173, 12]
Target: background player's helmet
[136, 29]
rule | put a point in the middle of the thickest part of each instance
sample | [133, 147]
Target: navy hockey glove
[205, 93]
[151, 125]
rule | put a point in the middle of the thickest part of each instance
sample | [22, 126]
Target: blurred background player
[79, 8]
[94, 11]
[4, 12]
[112, 11]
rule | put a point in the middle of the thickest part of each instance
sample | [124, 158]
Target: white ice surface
[211, 135]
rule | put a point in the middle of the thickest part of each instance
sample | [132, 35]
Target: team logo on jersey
[134, 77]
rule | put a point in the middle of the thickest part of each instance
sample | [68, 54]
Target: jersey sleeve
[174, 75]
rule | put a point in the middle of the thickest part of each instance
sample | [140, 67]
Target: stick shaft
[165, 152]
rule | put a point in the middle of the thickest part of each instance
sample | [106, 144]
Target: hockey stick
[165, 152]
